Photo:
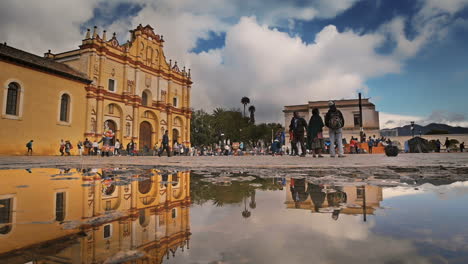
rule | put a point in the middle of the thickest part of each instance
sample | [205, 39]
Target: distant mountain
[431, 128]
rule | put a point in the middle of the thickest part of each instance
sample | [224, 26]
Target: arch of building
[113, 115]
[150, 137]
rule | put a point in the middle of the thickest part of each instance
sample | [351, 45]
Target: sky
[408, 56]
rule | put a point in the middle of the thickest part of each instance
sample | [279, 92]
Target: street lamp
[412, 128]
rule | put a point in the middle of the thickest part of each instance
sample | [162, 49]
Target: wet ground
[149, 214]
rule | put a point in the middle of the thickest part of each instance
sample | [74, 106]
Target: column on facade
[169, 126]
[187, 130]
[169, 92]
[100, 116]
[158, 88]
[97, 198]
[136, 117]
[134, 194]
[100, 99]
[89, 107]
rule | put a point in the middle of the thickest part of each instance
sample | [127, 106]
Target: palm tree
[252, 203]
[245, 101]
[252, 113]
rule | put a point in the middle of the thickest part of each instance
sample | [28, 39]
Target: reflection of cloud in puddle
[303, 237]
[456, 189]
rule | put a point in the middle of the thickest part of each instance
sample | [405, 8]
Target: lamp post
[412, 128]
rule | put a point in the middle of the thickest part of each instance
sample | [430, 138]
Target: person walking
[335, 122]
[68, 147]
[370, 143]
[315, 133]
[62, 147]
[88, 145]
[29, 146]
[462, 147]
[79, 146]
[130, 148]
[298, 126]
[117, 147]
[438, 144]
[95, 147]
[447, 144]
[165, 144]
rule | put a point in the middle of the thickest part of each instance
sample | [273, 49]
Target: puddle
[151, 215]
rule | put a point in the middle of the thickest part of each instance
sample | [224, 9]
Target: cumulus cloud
[274, 69]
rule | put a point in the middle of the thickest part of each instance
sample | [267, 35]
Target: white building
[350, 111]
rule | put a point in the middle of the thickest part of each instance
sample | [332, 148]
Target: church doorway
[175, 135]
[145, 136]
[111, 125]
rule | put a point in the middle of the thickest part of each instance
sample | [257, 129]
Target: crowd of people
[305, 138]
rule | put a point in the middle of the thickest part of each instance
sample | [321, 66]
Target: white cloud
[275, 69]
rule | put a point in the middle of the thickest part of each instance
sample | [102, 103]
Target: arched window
[13, 99]
[144, 99]
[64, 108]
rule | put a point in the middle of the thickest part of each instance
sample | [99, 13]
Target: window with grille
[357, 120]
[107, 231]
[144, 99]
[64, 108]
[111, 85]
[60, 206]
[6, 215]
[12, 99]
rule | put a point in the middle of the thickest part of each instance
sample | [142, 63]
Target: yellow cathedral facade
[128, 88]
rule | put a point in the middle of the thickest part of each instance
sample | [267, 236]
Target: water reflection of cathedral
[93, 216]
[328, 198]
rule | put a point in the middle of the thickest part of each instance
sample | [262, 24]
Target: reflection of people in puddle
[316, 195]
[298, 193]
[335, 214]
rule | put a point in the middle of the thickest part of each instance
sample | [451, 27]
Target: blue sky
[409, 56]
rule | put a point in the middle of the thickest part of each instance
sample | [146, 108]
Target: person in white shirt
[117, 147]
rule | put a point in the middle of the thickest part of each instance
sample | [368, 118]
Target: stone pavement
[284, 162]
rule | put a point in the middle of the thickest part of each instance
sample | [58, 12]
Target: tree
[245, 101]
[202, 129]
[252, 114]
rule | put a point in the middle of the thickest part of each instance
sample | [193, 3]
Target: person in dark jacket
[298, 126]
[335, 122]
[314, 133]
[316, 195]
[165, 145]
[447, 144]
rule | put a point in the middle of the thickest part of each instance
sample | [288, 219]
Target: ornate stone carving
[148, 80]
[130, 84]
[163, 96]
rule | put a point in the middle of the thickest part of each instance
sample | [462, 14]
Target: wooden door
[145, 136]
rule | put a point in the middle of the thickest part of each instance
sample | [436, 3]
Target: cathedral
[129, 88]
